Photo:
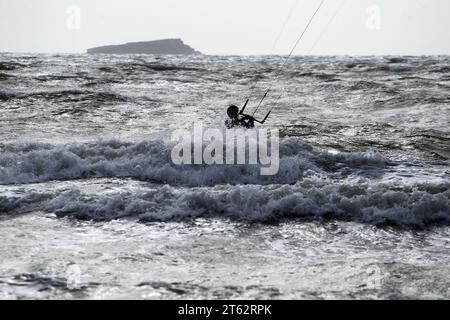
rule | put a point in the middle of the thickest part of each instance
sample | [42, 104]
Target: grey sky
[229, 27]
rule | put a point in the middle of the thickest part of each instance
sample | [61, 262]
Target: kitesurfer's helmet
[233, 111]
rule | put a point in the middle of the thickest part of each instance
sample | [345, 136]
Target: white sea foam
[150, 160]
[310, 183]
[417, 205]
[400, 67]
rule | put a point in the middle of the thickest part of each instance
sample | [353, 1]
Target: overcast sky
[229, 26]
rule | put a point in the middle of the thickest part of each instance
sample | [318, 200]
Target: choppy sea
[91, 206]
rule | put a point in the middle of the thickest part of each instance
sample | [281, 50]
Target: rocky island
[165, 46]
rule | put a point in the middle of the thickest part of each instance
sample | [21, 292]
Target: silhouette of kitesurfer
[240, 119]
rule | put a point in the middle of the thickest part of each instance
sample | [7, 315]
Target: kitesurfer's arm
[265, 118]
[252, 119]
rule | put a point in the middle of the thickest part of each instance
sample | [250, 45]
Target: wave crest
[421, 206]
[150, 160]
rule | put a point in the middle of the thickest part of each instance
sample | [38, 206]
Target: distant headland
[165, 46]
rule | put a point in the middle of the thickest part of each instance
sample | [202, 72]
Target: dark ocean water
[360, 207]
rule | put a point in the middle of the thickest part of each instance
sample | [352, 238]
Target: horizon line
[238, 55]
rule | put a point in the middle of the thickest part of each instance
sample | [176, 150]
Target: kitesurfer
[240, 119]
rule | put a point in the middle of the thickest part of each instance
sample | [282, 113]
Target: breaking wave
[311, 183]
[111, 93]
[150, 160]
[416, 206]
